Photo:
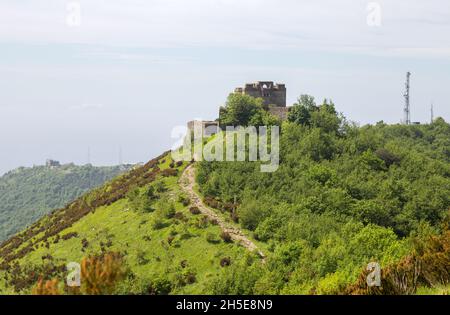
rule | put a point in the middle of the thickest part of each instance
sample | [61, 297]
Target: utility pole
[406, 95]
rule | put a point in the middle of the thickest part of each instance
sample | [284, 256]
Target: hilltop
[28, 193]
[343, 196]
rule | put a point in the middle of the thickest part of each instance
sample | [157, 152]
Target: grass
[440, 290]
[148, 253]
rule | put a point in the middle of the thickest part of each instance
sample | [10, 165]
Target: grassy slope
[132, 233]
[26, 194]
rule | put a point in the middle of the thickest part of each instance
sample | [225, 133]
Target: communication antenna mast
[406, 110]
[432, 113]
[89, 155]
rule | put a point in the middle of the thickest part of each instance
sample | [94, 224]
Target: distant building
[52, 163]
[207, 127]
[273, 95]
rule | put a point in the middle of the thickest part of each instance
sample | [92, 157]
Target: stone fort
[273, 95]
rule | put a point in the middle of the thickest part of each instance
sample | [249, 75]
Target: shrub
[160, 286]
[183, 199]
[47, 256]
[251, 214]
[214, 221]
[151, 193]
[160, 186]
[84, 243]
[169, 211]
[190, 278]
[169, 172]
[202, 222]
[140, 257]
[194, 210]
[170, 239]
[158, 223]
[184, 277]
[179, 216]
[211, 202]
[69, 235]
[226, 261]
[226, 237]
[101, 273]
[49, 287]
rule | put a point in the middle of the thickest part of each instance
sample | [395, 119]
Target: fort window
[265, 90]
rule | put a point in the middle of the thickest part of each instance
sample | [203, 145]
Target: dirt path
[187, 182]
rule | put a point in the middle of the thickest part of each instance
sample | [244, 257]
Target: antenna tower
[432, 113]
[407, 108]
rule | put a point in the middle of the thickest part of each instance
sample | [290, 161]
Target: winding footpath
[187, 183]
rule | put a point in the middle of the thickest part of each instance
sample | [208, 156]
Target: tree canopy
[342, 197]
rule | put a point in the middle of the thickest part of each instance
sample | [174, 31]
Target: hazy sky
[128, 71]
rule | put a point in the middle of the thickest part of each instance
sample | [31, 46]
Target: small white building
[207, 127]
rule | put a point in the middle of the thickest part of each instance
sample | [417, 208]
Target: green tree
[326, 118]
[300, 112]
[240, 110]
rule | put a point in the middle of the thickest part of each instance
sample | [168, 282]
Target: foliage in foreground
[99, 276]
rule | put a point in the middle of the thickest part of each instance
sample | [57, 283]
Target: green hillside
[167, 248]
[344, 196]
[26, 194]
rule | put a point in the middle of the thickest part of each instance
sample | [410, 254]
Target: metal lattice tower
[407, 109]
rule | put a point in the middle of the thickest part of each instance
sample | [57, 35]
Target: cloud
[323, 25]
[87, 106]
[119, 55]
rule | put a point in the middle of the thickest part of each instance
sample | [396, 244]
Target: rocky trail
[187, 183]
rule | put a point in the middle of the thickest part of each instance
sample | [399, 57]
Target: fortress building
[273, 95]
